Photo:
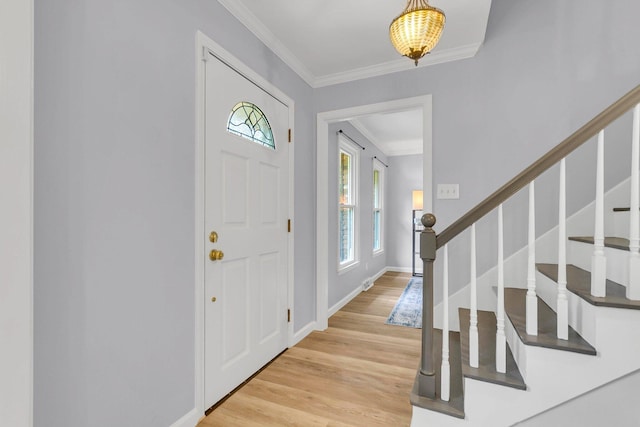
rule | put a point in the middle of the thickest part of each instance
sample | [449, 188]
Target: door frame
[324, 119]
[16, 219]
[204, 46]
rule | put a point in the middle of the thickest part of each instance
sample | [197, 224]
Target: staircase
[569, 320]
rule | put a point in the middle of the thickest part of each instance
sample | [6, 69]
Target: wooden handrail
[545, 162]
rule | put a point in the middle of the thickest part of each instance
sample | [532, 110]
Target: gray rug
[408, 309]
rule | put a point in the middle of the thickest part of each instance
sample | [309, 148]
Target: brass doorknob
[216, 255]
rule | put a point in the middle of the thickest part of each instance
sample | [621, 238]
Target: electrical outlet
[448, 191]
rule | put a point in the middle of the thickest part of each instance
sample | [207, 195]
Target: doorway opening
[324, 119]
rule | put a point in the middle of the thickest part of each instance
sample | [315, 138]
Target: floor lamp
[417, 204]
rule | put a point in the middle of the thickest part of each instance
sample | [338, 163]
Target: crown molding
[401, 64]
[253, 24]
[360, 127]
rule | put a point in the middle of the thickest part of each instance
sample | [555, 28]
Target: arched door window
[248, 121]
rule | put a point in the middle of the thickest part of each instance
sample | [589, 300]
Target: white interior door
[246, 205]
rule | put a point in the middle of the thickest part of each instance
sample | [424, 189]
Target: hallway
[359, 372]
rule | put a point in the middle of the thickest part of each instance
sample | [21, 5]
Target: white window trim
[351, 149]
[377, 165]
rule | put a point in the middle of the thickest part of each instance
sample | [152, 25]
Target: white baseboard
[190, 419]
[344, 301]
[399, 269]
[303, 332]
[379, 274]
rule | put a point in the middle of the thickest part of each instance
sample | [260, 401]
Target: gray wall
[404, 176]
[114, 170]
[341, 285]
[114, 204]
[546, 68]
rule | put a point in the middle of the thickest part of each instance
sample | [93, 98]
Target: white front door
[246, 205]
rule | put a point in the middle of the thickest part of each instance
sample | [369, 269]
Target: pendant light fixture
[417, 30]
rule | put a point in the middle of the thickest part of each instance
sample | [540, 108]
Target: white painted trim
[253, 24]
[399, 269]
[322, 190]
[350, 148]
[16, 215]
[400, 64]
[303, 332]
[379, 274]
[190, 419]
[203, 45]
[344, 301]
[266, 36]
[364, 130]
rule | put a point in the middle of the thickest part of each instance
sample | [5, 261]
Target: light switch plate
[448, 191]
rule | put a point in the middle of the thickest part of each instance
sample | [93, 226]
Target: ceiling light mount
[416, 31]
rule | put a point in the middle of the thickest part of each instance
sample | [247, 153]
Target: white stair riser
[579, 254]
[582, 315]
[552, 376]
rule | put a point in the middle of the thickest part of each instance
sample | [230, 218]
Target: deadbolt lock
[213, 237]
[214, 299]
[216, 255]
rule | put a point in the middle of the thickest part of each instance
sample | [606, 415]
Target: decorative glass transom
[248, 121]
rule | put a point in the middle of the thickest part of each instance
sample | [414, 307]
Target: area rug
[408, 309]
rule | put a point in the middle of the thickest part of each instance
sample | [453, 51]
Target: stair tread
[610, 242]
[515, 307]
[486, 370]
[579, 282]
[455, 405]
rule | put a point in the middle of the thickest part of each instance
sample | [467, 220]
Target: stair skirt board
[515, 307]
[579, 282]
[486, 370]
[455, 405]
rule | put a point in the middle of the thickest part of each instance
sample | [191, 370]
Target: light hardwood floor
[359, 372]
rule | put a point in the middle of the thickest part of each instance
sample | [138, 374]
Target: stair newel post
[473, 315]
[562, 306]
[501, 341]
[427, 374]
[532, 299]
[445, 370]
[633, 288]
[598, 260]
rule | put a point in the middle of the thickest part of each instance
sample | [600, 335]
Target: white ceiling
[395, 134]
[334, 41]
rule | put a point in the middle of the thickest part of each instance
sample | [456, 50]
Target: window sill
[347, 267]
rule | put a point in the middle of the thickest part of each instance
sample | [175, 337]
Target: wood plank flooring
[359, 372]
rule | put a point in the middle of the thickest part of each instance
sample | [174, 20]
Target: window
[347, 204]
[378, 204]
[248, 121]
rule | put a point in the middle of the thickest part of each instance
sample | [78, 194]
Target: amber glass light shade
[417, 30]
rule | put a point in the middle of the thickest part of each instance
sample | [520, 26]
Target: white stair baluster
[562, 308]
[598, 260]
[633, 287]
[473, 316]
[501, 342]
[445, 376]
[532, 299]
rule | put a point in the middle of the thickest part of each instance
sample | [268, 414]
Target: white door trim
[322, 177]
[16, 216]
[204, 45]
